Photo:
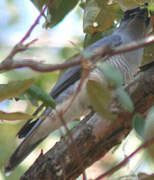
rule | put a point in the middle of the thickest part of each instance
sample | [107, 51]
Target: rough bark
[93, 137]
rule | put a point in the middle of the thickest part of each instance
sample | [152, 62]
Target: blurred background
[53, 46]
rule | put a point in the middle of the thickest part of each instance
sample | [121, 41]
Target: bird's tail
[29, 143]
[19, 154]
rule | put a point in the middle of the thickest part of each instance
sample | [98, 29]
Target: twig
[36, 22]
[74, 149]
[100, 52]
[19, 47]
[37, 66]
[133, 45]
[122, 163]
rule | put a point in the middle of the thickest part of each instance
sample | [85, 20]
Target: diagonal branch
[20, 46]
[104, 51]
[94, 136]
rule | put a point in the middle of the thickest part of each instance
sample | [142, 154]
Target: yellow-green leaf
[149, 129]
[151, 7]
[98, 16]
[100, 98]
[149, 124]
[112, 74]
[92, 38]
[14, 116]
[124, 99]
[138, 124]
[14, 88]
[128, 4]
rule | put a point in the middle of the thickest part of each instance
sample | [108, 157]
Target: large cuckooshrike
[133, 26]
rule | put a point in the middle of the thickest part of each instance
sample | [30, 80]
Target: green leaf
[19, 74]
[33, 100]
[39, 94]
[39, 3]
[14, 88]
[92, 38]
[98, 16]
[57, 10]
[138, 124]
[112, 74]
[14, 116]
[149, 130]
[151, 7]
[149, 124]
[127, 4]
[100, 98]
[124, 99]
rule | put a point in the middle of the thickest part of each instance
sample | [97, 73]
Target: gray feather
[132, 27]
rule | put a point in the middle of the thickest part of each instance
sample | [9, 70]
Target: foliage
[126, 4]
[14, 88]
[100, 98]
[102, 94]
[57, 10]
[14, 116]
[99, 19]
[138, 124]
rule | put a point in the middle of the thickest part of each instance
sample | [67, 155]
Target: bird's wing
[69, 77]
[30, 130]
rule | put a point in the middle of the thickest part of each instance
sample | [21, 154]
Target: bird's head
[135, 21]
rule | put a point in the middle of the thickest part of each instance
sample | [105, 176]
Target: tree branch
[104, 51]
[126, 160]
[20, 46]
[94, 136]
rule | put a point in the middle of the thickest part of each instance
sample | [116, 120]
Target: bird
[132, 27]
